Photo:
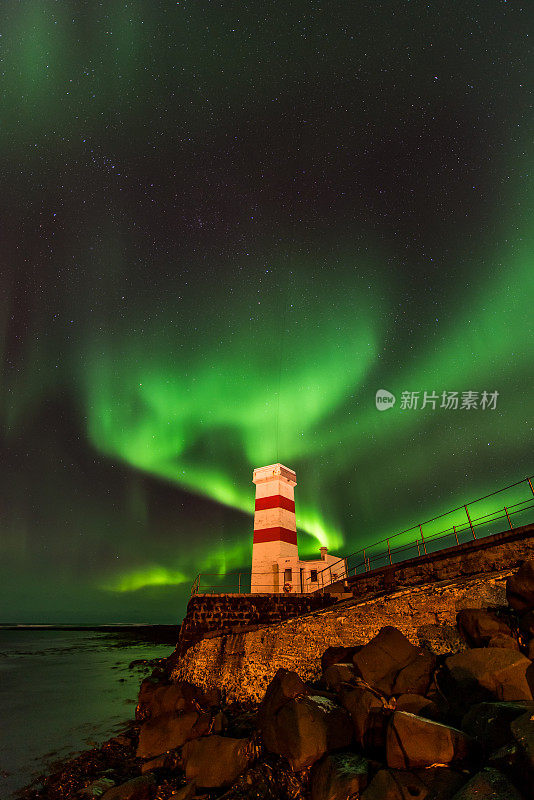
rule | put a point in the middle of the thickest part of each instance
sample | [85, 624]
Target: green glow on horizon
[151, 575]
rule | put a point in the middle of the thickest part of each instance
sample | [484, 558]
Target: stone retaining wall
[243, 663]
[215, 614]
[211, 615]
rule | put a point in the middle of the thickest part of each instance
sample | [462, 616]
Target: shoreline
[117, 754]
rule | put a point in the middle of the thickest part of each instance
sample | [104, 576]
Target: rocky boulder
[146, 690]
[96, 788]
[520, 588]
[393, 784]
[415, 678]
[502, 640]
[493, 673]
[490, 722]
[155, 699]
[489, 784]
[186, 792]
[416, 742]
[506, 759]
[338, 674]
[215, 762]
[526, 623]
[379, 662]
[417, 704]
[522, 730]
[478, 626]
[359, 702]
[338, 776]
[337, 655]
[285, 686]
[168, 731]
[307, 728]
[137, 789]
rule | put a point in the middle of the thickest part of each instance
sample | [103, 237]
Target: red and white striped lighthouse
[275, 529]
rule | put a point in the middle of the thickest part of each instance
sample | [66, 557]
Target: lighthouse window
[288, 576]
[313, 576]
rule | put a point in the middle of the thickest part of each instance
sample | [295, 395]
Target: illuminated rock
[416, 742]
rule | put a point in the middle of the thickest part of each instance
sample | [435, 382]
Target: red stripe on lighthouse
[275, 501]
[277, 534]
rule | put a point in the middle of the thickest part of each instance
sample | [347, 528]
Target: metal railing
[382, 553]
[236, 583]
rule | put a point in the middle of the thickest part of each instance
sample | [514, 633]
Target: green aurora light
[223, 235]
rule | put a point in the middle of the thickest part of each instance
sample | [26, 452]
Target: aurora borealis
[226, 226]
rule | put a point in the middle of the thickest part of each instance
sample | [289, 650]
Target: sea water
[61, 692]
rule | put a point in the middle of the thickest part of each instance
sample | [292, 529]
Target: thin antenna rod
[293, 217]
[282, 332]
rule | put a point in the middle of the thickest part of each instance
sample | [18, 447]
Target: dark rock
[137, 789]
[124, 741]
[523, 732]
[379, 661]
[219, 723]
[186, 792]
[359, 702]
[157, 700]
[493, 673]
[338, 776]
[146, 690]
[478, 626]
[417, 704]
[216, 761]
[489, 784]
[501, 640]
[526, 623]
[416, 742]
[376, 726]
[308, 727]
[490, 722]
[168, 731]
[415, 677]
[270, 779]
[337, 655]
[284, 687]
[97, 788]
[154, 763]
[435, 784]
[506, 759]
[520, 588]
[338, 674]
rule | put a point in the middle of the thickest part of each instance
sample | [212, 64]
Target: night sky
[225, 226]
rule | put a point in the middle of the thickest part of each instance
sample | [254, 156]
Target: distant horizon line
[89, 624]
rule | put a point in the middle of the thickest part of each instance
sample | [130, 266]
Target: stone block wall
[247, 642]
[244, 662]
[211, 615]
[214, 614]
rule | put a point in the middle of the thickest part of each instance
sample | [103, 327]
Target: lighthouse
[276, 566]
